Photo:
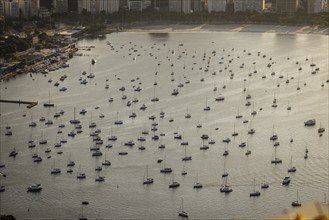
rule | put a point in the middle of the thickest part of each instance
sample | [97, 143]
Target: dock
[29, 104]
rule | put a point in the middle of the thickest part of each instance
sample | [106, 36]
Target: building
[48, 4]
[161, 5]
[11, 8]
[24, 7]
[138, 5]
[311, 6]
[182, 6]
[113, 6]
[286, 6]
[249, 5]
[2, 8]
[19, 8]
[34, 7]
[72, 6]
[216, 5]
[314, 6]
[98, 6]
[123, 4]
[135, 5]
[325, 5]
[61, 6]
[197, 5]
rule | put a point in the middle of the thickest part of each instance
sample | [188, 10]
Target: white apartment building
[216, 5]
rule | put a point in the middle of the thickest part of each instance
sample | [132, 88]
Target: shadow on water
[159, 36]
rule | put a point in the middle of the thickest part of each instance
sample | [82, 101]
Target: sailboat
[276, 159]
[154, 99]
[31, 143]
[186, 158]
[32, 123]
[106, 162]
[42, 141]
[291, 168]
[274, 136]
[234, 132]
[254, 192]
[146, 179]
[238, 115]
[225, 173]
[110, 97]
[112, 137]
[70, 163]
[48, 104]
[183, 171]
[297, 202]
[173, 183]
[225, 151]
[225, 188]
[204, 146]
[248, 152]
[117, 121]
[74, 120]
[165, 169]
[183, 143]
[181, 212]
[188, 115]
[80, 174]
[48, 122]
[264, 184]
[82, 217]
[321, 129]
[288, 107]
[207, 107]
[197, 185]
[55, 170]
[99, 178]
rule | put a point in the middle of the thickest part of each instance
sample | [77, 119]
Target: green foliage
[12, 45]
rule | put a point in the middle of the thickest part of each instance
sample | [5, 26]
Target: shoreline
[190, 28]
[252, 28]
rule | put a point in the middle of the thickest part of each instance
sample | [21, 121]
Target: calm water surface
[141, 59]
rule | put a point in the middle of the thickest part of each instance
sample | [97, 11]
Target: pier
[29, 104]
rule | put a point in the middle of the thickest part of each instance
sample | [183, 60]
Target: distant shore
[256, 28]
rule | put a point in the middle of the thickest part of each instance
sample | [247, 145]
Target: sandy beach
[279, 29]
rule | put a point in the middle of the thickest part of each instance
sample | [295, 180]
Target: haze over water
[132, 60]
